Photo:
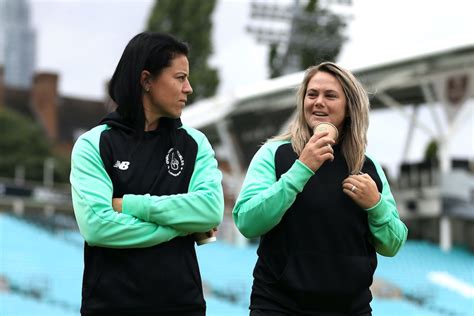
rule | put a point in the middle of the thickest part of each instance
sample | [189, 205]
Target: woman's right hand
[317, 150]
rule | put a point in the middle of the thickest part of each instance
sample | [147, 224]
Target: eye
[311, 94]
[181, 77]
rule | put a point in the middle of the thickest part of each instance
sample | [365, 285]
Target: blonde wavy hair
[353, 137]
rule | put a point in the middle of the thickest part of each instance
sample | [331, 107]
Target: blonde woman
[322, 207]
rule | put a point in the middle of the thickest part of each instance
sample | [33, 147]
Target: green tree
[190, 21]
[273, 59]
[431, 151]
[316, 36]
[327, 29]
[24, 144]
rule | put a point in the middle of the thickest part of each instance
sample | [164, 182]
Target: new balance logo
[122, 165]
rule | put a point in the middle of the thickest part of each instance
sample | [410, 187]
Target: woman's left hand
[362, 189]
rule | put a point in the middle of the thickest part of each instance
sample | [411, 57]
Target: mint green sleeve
[388, 231]
[263, 200]
[198, 210]
[92, 189]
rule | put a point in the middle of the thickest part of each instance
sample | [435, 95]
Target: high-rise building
[2, 33]
[19, 43]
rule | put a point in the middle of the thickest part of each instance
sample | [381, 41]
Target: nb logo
[122, 165]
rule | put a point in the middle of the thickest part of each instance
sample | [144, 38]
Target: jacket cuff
[299, 174]
[136, 205]
[378, 213]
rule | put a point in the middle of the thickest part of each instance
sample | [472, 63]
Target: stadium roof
[250, 115]
[401, 83]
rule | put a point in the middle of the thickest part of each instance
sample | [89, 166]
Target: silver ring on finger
[353, 188]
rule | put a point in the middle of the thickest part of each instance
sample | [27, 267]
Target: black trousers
[260, 312]
[180, 313]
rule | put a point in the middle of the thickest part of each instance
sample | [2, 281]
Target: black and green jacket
[143, 260]
[317, 251]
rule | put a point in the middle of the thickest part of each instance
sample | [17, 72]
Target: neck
[151, 120]
[152, 116]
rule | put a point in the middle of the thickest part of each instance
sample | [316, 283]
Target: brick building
[62, 118]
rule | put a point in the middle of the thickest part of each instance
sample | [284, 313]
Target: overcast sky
[82, 40]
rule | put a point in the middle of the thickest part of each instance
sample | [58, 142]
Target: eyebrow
[315, 90]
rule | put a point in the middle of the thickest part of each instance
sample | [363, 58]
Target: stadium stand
[41, 269]
[41, 272]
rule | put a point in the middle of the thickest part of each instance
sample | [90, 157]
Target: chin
[319, 120]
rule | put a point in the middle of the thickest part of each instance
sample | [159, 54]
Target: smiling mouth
[320, 114]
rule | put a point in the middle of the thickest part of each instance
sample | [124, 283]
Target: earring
[147, 89]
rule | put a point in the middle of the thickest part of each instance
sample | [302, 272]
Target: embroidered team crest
[174, 161]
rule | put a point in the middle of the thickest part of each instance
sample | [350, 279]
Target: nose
[318, 102]
[187, 89]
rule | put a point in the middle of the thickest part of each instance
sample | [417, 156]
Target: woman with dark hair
[322, 206]
[142, 184]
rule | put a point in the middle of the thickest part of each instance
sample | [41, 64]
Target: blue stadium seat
[33, 259]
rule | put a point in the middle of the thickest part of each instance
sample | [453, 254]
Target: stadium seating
[38, 264]
[43, 271]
